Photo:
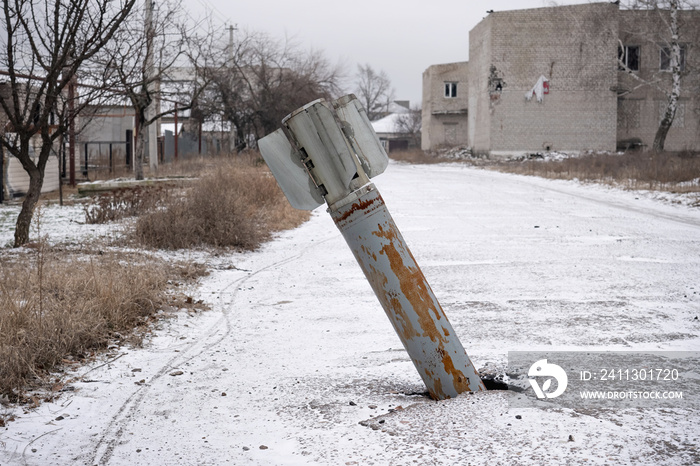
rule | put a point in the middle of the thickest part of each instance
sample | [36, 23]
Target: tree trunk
[665, 125]
[140, 148]
[240, 137]
[670, 113]
[24, 220]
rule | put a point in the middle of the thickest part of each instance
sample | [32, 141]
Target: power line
[210, 6]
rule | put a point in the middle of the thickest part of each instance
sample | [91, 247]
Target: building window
[628, 56]
[629, 114]
[450, 90]
[665, 58]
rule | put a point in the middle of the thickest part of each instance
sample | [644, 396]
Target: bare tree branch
[45, 48]
[374, 91]
[168, 62]
[263, 81]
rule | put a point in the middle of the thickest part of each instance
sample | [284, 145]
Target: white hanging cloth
[538, 90]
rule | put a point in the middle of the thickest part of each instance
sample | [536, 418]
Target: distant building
[391, 133]
[547, 79]
[445, 103]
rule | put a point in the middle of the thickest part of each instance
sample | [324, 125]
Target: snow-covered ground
[296, 363]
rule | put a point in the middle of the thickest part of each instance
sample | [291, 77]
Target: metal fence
[102, 158]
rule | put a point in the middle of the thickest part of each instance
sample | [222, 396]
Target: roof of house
[388, 124]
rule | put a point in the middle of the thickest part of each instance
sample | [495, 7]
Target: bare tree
[45, 44]
[664, 29]
[161, 62]
[410, 123]
[226, 97]
[264, 80]
[374, 91]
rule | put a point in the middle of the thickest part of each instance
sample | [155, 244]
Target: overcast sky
[401, 37]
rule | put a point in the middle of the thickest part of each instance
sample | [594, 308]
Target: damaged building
[549, 79]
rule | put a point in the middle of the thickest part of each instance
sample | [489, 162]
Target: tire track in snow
[110, 438]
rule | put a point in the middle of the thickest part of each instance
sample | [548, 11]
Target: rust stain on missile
[436, 392]
[360, 205]
[459, 380]
[414, 287]
[413, 284]
[389, 301]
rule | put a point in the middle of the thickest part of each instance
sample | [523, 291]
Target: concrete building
[444, 109]
[547, 79]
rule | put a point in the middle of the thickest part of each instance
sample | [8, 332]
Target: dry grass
[56, 305]
[667, 171]
[415, 156]
[99, 169]
[194, 165]
[69, 193]
[236, 203]
[184, 166]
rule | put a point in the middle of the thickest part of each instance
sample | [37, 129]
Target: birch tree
[665, 31]
[44, 45]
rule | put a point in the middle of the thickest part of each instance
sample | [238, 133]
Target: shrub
[122, 203]
[235, 204]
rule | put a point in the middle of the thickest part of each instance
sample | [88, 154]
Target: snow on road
[297, 351]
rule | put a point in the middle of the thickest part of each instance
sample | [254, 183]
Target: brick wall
[480, 58]
[575, 48]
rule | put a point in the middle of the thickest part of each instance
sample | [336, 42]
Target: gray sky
[401, 37]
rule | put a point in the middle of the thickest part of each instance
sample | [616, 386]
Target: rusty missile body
[406, 296]
[332, 154]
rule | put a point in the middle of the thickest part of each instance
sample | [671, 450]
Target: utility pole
[232, 131]
[71, 131]
[175, 136]
[231, 28]
[152, 135]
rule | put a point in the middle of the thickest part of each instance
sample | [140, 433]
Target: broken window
[629, 57]
[665, 58]
[450, 90]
